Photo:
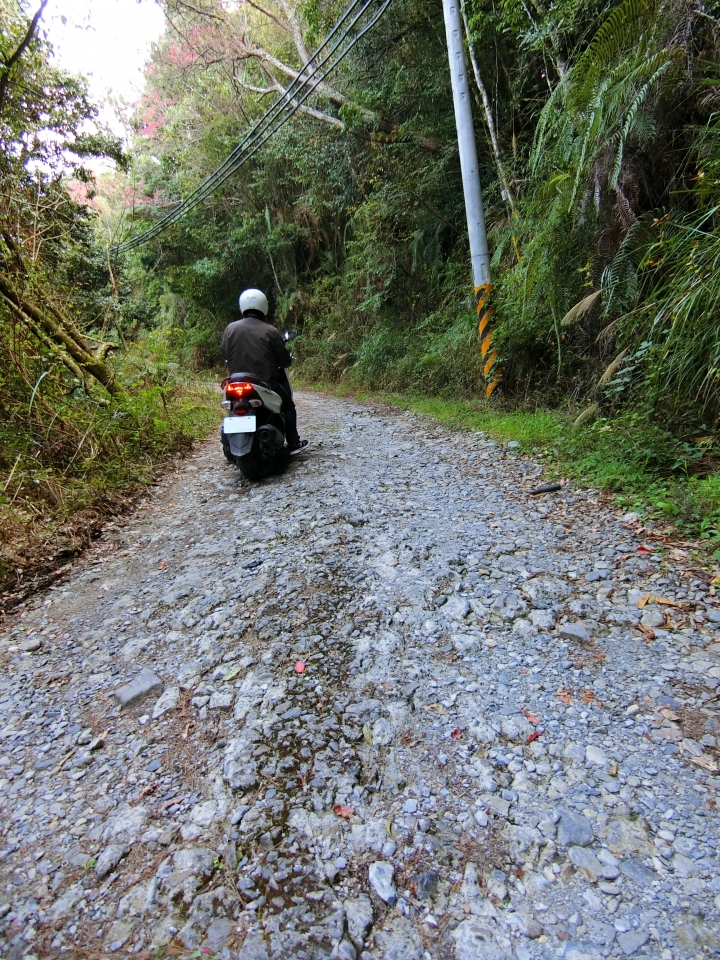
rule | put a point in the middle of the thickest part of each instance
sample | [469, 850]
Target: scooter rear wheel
[251, 465]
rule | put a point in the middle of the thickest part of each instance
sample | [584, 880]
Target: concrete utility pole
[479, 251]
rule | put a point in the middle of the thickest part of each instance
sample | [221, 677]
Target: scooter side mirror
[289, 335]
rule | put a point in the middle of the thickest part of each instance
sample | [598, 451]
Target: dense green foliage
[597, 133]
[606, 151]
[84, 419]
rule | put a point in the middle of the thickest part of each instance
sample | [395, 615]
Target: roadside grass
[647, 470]
[74, 463]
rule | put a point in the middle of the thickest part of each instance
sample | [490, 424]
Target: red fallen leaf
[162, 565]
[342, 811]
[644, 550]
[534, 735]
[300, 666]
[530, 716]
[456, 734]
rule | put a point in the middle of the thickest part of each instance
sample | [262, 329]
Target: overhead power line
[359, 17]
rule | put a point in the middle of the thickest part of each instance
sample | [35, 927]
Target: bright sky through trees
[108, 41]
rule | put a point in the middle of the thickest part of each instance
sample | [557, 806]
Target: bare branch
[489, 118]
[13, 59]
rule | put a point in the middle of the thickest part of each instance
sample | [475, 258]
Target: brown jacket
[251, 345]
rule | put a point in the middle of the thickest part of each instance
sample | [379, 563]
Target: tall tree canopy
[597, 136]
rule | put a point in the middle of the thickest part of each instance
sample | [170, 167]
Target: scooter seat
[248, 378]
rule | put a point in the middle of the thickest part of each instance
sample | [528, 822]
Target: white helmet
[253, 300]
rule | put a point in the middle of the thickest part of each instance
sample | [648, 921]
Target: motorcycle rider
[253, 345]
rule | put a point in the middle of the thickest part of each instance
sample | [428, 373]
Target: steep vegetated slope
[83, 410]
[597, 130]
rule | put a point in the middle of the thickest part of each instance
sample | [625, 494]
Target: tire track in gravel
[486, 754]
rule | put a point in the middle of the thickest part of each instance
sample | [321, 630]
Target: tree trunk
[489, 120]
[62, 333]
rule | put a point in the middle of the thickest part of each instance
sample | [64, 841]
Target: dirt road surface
[385, 705]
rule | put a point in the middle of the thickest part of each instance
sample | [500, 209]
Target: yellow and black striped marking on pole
[491, 372]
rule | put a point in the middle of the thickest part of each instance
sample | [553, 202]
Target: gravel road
[386, 705]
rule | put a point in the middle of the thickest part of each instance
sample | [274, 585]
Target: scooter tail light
[239, 391]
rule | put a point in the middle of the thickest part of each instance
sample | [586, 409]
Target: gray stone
[499, 807]
[195, 860]
[684, 866]
[574, 829]
[221, 700]
[652, 618]
[380, 876]
[516, 728]
[109, 859]
[595, 756]
[397, 939]
[145, 683]
[426, 884]
[126, 821]
[542, 619]
[118, 935]
[359, 916]
[474, 939]
[634, 869]
[631, 941]
[574, 751]
[31, 645]
[574, 631]
[219, 932]
[586, 862]
[166, 702]
[254, 948]
[239, 766]
[65, 904]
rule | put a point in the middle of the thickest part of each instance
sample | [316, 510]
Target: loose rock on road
[382, 706]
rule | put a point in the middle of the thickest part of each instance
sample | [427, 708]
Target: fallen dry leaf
[162, 565]
[644, 551]
[530, 716]
[367, 733]
[656, 599]
[613, 771]
[343, 811]
[190, 725]
[456, 734]
[565, 696]
[668, 714]
[232, 673]
[534, 735]
[705, 761]
[436, 708]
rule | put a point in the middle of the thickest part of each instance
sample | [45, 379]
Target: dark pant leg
[288, 408]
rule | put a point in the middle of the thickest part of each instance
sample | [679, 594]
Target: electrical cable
[285, 107]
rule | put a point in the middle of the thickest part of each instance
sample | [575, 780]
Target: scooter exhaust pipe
[270, 438]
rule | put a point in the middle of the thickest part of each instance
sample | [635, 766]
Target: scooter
[253, 431]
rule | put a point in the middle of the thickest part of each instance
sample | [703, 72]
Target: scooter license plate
[244, 424]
